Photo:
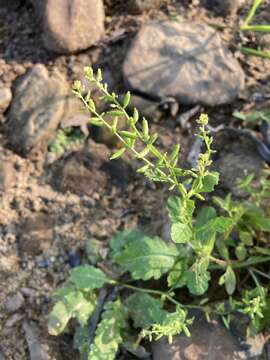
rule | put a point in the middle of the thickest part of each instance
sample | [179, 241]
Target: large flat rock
[185, 60]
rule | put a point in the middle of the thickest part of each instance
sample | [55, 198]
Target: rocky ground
[60, 210]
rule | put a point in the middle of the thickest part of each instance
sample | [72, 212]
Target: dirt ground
[62, 222]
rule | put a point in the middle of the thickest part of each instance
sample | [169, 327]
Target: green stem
[261, 273]
[239, 265]
[252, 12]
[255, 52]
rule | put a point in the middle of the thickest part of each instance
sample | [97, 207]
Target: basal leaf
[145, 310]
[58, 318]
[108, 335]
[198, 277]
[147, 258]
[181, 233]
[121, 239]
[209, 182]
[88, 277]
[72, 304]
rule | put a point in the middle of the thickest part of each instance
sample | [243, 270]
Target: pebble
[14, 303]
[73, 258]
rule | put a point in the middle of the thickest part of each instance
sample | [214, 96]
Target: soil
[58, 221]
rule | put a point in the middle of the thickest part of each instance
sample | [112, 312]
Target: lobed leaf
[108, 334]
[147, 258]
[88, 277]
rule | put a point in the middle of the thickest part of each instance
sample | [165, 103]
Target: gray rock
[208, 341]
[70, 25]
[222, 7]
[138, 6]
[5, 99]
[36, 109]
[236, 160]
[185, 60]
[14, 303]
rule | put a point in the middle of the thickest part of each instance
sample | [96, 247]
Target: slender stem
[160, 293]
[261, 273]
[252, 12]
[255, 52]
[239, 265]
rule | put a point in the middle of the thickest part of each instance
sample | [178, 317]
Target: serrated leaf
[123, 238]
[198, 277]
[108, 334]
[88, 277]
[73, 304]
[147, 258]
[118, 154]
[209, 182]
[145, 310]
[229, 279]
[181, 233]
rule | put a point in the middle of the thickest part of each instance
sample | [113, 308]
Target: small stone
[5, 99]
[7, 175]
[73, 259]
[69, 26]
[184, 60]
[36, 234]
[36, 109]
[13, 320]
[139, 6]
[14, 303]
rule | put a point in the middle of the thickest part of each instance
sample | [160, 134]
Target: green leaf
[128, 134]
[58, 318]
[91, 105]
[121, 239]
[176, 277]
[147, 258]
[209, 182]
[118, 154]
[246, 238]
[205, 214]
[115, 113]
[177, 211]
[88, 277]
[145, 310]
[198, 277]
[145, 128]
[126, 99]
[81, 340]
[135, 115]
[108, 334]
[181, 233]
[229, 279]
[72, 304]
[96, 121]
[241, 252]
[255, 217]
